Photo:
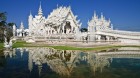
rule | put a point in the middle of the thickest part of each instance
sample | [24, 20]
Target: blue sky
[124, 14]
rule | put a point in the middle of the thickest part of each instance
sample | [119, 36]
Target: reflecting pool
[51, 63]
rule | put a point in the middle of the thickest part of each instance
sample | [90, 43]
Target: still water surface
[51, 63]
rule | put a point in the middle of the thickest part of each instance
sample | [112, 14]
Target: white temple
[61, 25]
[60, 21]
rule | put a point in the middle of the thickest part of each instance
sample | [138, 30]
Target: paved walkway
[76, 44]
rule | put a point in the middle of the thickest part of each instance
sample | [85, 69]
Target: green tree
[5, 26]
[2, 25]
[3, 16]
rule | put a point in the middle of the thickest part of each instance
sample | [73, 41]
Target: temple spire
[30, 16]
[57, 5]
[102, 17]
[30, 12]
[40, 10]
[21, 25]
[95, 16]
[109, 20]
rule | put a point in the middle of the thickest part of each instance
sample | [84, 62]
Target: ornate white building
[60, 21]
[61, 24]
[98, 24]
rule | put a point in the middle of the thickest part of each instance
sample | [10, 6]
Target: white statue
[6, 43]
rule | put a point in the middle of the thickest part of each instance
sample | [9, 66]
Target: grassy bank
[97, 48]
[19, 44]
[82, 49]
[1, 45]
[24, 44]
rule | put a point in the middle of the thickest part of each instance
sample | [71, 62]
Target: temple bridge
[120, 34]
[123, 36]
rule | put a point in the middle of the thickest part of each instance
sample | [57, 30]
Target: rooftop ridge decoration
[59, 15]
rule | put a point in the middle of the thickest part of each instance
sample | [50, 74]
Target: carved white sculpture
[21, 32]
[6, 43]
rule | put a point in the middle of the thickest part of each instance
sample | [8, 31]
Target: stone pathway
[75, 44]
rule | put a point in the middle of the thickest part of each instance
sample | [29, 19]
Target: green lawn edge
[1, 45]
[19, 44]
[24, 44]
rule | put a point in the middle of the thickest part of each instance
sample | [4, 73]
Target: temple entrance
[22, 34]
[67, 27]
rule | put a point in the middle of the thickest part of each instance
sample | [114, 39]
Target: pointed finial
[30, 12]
[21, 25]
[88, 21]
[112, 26]
[57, 5]
[40, 10]
[69, 7]
[95, 14]
[21, 22]
[109, 20]
[101, 14]
[40, 3]
[102, 17]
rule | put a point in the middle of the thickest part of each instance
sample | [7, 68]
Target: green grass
[82, 49]
[1, 45]
[19, 44]
[24, 44]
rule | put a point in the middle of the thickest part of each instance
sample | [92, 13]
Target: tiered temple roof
[58, 16]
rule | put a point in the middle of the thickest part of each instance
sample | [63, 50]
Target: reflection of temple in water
[9, 52]
[67, 63]
[63, 62]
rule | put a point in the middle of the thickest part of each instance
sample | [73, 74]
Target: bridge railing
[121, 32]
